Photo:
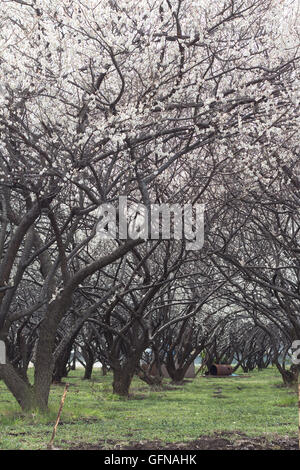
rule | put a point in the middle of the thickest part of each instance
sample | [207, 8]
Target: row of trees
[169, 101]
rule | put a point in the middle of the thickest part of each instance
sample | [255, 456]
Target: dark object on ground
[220, 369]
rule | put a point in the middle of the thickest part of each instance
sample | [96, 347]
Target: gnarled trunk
[176, 371]
[123, 374]
[122, 381]
[289, 376]
[61, 364]
[20, 388]
[89, 363]
[60, 370]
[44, 364]
[153, 380]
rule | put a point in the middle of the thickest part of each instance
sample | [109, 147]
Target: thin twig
[50, 445]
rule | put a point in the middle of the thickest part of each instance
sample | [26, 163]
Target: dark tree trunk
[122, 381]
[289, 377]
[89, 363]
[152, 380]
[60, 370]
[44, 364]
[177, 375]
[177, 372]
[123, 374]
[89, 360]
[20, 388]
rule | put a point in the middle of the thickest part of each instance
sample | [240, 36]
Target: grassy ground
[256, 405]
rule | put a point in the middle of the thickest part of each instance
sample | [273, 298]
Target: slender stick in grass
[50, 445]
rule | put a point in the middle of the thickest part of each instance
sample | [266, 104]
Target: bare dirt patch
[219, 441]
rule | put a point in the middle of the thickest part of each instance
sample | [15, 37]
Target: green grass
[257, 406]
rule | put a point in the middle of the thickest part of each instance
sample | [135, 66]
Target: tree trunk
[44, 364]
[44, 367]
[177, 375]
[89, 359]
[21, 389]
[176, 372]
[89, 363]
[122, 381]
[289, 377]
[60, 368]
[153, 380]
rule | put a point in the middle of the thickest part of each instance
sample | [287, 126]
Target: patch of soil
[182, 382]
[139, 389]
[218, 441]
[168, 387]
[62, 384]
[137, 396]
[85, 420]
